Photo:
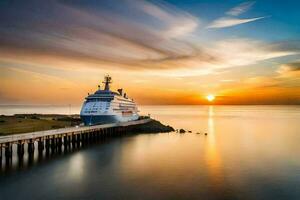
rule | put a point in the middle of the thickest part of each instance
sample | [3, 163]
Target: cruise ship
[106, 106]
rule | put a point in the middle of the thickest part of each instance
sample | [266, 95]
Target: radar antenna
[107, 81]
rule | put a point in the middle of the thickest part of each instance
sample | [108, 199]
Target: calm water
[250, 152]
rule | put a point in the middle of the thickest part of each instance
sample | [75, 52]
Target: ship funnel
[125, 95]
[120, 91]
[107, 81]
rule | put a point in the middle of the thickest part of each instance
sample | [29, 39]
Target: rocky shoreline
[153, 126]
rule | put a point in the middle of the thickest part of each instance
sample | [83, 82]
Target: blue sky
[282, 22]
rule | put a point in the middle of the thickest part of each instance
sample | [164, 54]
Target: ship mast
[107, 81]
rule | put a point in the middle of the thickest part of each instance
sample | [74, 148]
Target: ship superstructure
[106, 106]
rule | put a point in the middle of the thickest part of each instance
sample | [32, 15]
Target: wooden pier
[55, 140]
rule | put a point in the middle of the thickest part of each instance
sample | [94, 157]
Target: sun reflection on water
[213, 157]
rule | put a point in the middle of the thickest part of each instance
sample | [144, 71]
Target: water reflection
[213, 157]
[28, 160]
[249, 153]
[211, 127]
[76, 167]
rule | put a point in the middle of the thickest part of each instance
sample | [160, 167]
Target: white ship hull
[105, 106]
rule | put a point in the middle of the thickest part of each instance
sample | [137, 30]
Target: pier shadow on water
[35, 155]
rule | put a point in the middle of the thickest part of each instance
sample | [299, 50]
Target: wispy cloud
[177, 23]
[289, 69]
[220, 56]
[241, 8]
[231, 19]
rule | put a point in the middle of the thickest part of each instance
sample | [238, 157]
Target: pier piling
[73, 141]
[47, 143]
[41, 145]
[20, 149]
[53, 144]
[8, 153]
[0, 155]
[59, 143]
[31, 147]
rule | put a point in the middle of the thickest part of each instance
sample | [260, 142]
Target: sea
[247, 153]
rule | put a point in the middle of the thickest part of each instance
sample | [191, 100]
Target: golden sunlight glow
[210, 97]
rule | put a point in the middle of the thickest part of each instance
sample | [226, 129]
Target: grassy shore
[24, 123]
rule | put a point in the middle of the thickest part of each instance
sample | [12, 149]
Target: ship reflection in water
[250, 152]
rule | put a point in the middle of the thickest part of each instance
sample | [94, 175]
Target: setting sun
[210, 97]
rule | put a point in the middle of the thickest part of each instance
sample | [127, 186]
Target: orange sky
[21, 86]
